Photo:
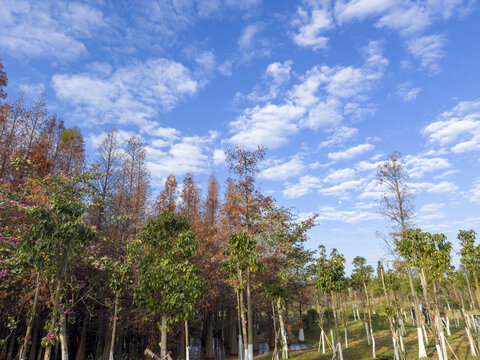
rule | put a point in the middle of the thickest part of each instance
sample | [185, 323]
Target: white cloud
[341, 189]
[408, 93]
[311, 27]
[285, 170]
[432, 207]
[330, 213]
[367, 166]
[246, 39]
[131, 94]
[429, 49]
[33, 90]
[458, 129]
[340, 134]
[360, 9]
[351, 152]
[419, 166]
[276, 76]
[269, 125]
[410, 18]
[336, 176]
[473, 195]
[305, 186]
[52, 29]
[218, 157]
[188, 154]
[318, 101]
[443, 187]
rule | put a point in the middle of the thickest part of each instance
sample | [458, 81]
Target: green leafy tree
[57, 232]
[242, 258]
[329, 277]
[169, 283]
[470, 257]
[430, 255]
[361, 276]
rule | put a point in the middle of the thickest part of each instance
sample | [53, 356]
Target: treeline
[94, 264]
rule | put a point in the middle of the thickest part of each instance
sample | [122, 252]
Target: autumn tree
[3, 82]
[167, 199]
[134, 187]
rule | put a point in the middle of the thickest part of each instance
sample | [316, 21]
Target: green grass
[358, 348]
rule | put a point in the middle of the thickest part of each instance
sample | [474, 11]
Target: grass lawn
[359, 349]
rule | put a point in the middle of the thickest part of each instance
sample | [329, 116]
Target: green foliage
[168, 281]
[241, 256]
[470, 254]
[329, 272]
[362, 273]
[430, 252]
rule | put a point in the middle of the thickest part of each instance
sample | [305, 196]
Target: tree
[71, 150]
[133, 190]
[244, 164]
[430, 254]
[286, 261]
[167, 199]
[361, 276]
[169, 283]
[470, 257]
[57, 232]
[397, 205]
[329, 278]
[242, 257]
[3, 82]
[110, 164]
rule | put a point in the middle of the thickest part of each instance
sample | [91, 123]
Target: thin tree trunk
[63, 336]
[56, 300]
[24, 349]
[422, 353]
[282, 330]
[163, 339]
[114, 328]
[187, 342]
[249, 319]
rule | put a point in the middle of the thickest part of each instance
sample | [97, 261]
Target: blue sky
[330, 88]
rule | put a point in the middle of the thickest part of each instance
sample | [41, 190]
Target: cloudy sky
[330, 88]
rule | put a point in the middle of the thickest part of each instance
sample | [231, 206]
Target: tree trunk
[422, 353]
[249, 319]
[58, 281]
[163, 339]
[114, 328]
[282, 330]
[209, 341]
[28, 334]
[370, 319]
[337, 332]
[240, 326]
[187, 342]
[80, 355]
[63, 336]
